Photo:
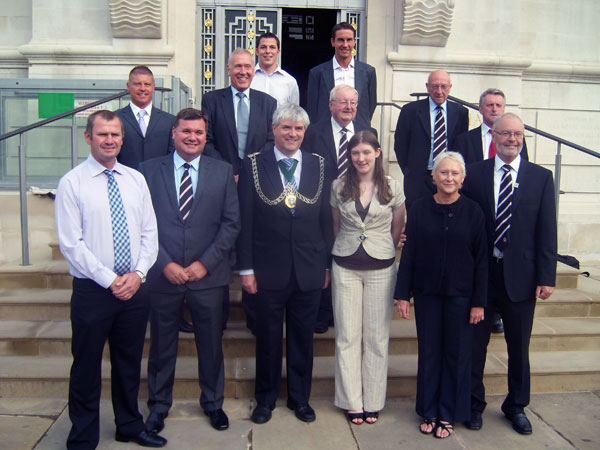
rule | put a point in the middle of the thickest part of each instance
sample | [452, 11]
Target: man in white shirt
[269, 77]
[107, 233]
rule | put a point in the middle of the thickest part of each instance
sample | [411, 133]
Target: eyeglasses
[443, 87]
[347, 103]
[507, 134]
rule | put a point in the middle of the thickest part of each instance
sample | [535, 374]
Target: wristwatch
[142, 276]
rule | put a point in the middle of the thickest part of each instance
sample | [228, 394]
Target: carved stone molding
[426, 22]
[139, 19]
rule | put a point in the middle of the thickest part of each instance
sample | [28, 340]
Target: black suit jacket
[412, 143]
[158, 141]
[275, 243]
[470, 146]
[530, 257]
[321, 82]
[221, 139]
[210, 231]
[319, 139]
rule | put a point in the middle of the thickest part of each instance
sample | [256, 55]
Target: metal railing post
[23, 198]
[74, 156]
[557, 168]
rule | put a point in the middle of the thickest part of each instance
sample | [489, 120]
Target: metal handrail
[22, 176]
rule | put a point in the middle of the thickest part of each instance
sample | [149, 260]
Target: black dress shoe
[156, 422]
[476, 421]
[144, 439]
[218, 419]
[321, 328]
[497, 326]
[261, 414]
[303, 412]
[185, 326]
[520, 422]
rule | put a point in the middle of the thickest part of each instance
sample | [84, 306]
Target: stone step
[30, 376]
[54, 304]
[53, 338]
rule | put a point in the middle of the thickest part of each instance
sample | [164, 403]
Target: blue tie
[243, 119]
[119, 226]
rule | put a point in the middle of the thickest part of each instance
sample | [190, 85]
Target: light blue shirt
[432, 115]
[179, 169]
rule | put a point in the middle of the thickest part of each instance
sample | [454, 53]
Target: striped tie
[288, 168]
[503, 214]
[120, 231]
[186, 193]
[439, 134]
[342, 161]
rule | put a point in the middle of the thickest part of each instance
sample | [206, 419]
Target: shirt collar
[484, 129]
[235, 91]
[136, 109]
[433, 105]
[258, 69]
[97, 169]
[179, 161]
[337, 127]
[279, 155]
[498, 163]
[336, 64]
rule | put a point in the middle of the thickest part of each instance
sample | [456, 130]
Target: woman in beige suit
[368, 218]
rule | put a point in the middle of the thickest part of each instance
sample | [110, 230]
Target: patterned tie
[186, 193]
[288, 168]
[503, 214]
[242, 124]
[492, 149]
[119, 226]
[142, 122]
[342, 161]
[439, 134]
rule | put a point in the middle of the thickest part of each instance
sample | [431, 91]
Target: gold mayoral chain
[289, 194]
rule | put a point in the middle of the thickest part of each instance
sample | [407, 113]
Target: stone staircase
[35, 336]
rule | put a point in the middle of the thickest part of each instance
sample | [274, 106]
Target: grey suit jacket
[321, 82]
[221, 139]
[209, 233]
[158, 141]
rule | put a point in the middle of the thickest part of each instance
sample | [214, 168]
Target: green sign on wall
[53, 103]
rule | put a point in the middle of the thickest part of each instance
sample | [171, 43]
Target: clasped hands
[177, 274]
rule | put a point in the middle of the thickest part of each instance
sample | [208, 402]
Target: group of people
[165, 207]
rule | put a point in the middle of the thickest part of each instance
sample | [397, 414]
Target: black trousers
[517, 318]
[300, 309]
[206, 308]
[444, 364]
[98, 316]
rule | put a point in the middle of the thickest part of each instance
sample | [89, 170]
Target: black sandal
[371, 415]
[444, 426]
[432, 422]
[352, 417]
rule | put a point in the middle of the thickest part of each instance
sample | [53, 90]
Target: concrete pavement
[560, 421]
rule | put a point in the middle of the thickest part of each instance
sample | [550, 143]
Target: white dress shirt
[280, 85]
[432, 115]
[136, 112]
[498, 172]
[343, 75]
[84, 226]
[337, 134]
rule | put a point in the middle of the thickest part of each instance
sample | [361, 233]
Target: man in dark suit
[329, 138]
[471, 144]
[149, 135]
[196, 203]
[517, 199]
[342, 69]
[235, 130]
[283, 257]
[416, 145]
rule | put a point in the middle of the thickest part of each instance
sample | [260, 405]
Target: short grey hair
[450, 155]
[491, 91]
[509, 114]
[239, 51]
[339, 87]
[289, 111]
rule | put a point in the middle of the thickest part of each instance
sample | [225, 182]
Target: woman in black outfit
[444, 266]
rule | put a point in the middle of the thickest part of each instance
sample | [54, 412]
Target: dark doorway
[305, 42]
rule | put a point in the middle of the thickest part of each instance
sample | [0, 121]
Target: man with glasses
[517, 199]
[329, 138]
[426, 128]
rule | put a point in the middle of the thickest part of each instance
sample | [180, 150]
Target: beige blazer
[377, 226]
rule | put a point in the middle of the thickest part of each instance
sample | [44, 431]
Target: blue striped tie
[503, 214]
[119, 226]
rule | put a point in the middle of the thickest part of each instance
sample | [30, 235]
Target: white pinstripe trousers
[362, 307]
